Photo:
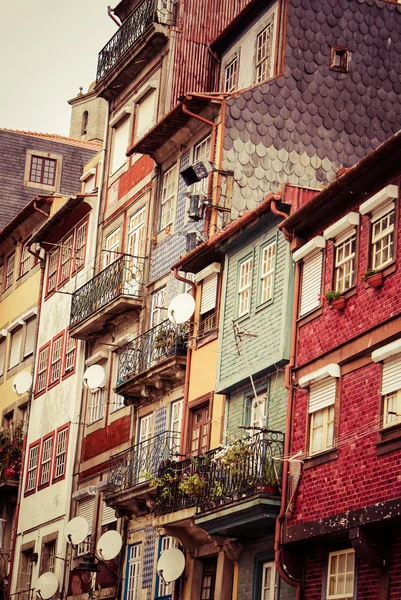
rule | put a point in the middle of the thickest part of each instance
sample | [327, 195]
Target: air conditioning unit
[190, 241]
[195, 207]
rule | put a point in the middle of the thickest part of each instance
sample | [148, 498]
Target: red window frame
[50, 289]
[79, 246]
[65, 354]
[65, 453]
[40, 170]
[30, 447]
[52, 382]
[44, 439]
[67, 253]
[45, 371]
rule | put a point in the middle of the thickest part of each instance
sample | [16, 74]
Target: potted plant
[192, 484]
[335, 300]
[373, 278]
[235, 456]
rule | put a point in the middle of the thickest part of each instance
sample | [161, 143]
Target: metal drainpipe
[187, 366]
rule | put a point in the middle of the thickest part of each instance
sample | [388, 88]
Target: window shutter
[391, 375]
[209, 293]
[30, 337]
[108, 514]
[2, 356]
[15, 351]
[311, 282]
[85, 510]
[144, 116]
[322, 394]
[120, 143]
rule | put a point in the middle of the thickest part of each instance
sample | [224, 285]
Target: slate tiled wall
[303, 126]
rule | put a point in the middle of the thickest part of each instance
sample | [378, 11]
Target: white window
[52, 274]
[43, 362]
[117, 401]
[67, 247]
[344, 265]
[47, 450]
[383, 236]
[136, 250]
[120, 144]
[264, 53]
[267, 272]
[26, 261]
[30, 332]
[201, 154]
[89, 184]
[230, 75]
[207, 321]
[259, 411]
[80, 242]
[176, 416]
[245, 286]
[108, 514]
[61, 452]
[168, 196]
[391, 391]
[15, 350]
[322, 395]
[10, 271]
[166, 589]
[311, 282]
[55, 367]
[134, 572]
[70, 349]
[111, 247]
[2, 355]
[32, 468]
[340, 575]
[97, 404]
[145, 114]
[85, 510]
[158, 314]
[269, 581]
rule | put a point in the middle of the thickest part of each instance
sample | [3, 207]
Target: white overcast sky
[48, 48]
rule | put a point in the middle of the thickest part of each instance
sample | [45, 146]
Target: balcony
[11, 440]
[235, 492]
[112, 291]
[153, 363]
[135, 467]
[139, 39]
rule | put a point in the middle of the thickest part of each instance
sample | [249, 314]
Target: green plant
[368, 273]
[11, 439]
[216, 491]
[164, 483]
[192, 484]
[332, 295]
[235, 455]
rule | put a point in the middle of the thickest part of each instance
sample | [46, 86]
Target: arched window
[84, 127]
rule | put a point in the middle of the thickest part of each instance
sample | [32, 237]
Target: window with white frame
[145, 113]
[268, 590]
[230, 75]
[201, 154]
[344, 262]
[120, 143]
[176, 423]
[111, 247]
[208, 317]
[66, 257]
[85, 510]
[61, 453]
[43, 362]
[322, 396]
[32, 469]
[158, 312]
[15, 348]
[136, 250]
[55, 361]
[264, 52]
[30, 333]
[244, 286]
[26, 261]
[258, 411]
[80, 243]
[340, 575]
[391, 391]
[268, 261]
[166, 589]
[10, 268]
[70, 350]
[168, 196]
[52, 272]
[97, 398]
[45, 468]
[2, 355]
[311, 285]
[382, 243]
[117, 401]
[134, 572]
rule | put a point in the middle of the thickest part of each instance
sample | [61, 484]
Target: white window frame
[117, 401]
[269, 570]
[244, 288]
[30, 327]
[14, 357]
[231, 75]
[334, 573]
[264, 53]
[55, 360]
[327, 427]
[121, 132]
[166, 589]
[66, 258]
[32, 467]
[201, 153]
[176, 416]
[53, 270]
[344, 261]
[80, 244]
[112, 243]
[70, 350]
[268, 268]
[157, 312]
[43, 365]
[10, 271]
[134, 572]
[26, 261]
[46, 462]
[97, 404]
[384, 238]
[60, 458]
[322, 398]
[168, 196]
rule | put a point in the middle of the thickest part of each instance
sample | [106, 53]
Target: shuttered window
[120, 143]
[108, 514]
[15, 351]
[145, 114]
[391, 391]
[209, 293]
[322, 396]
[85, 510]
[2, 355]
[311, 282]
[30, 336]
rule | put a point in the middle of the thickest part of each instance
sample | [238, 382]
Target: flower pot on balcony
[267, 488]
[338, 303]
[375, 281]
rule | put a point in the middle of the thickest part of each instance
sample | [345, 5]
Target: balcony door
[200, 430]
[144, 448]
[176, 426]
[136, 251]
[111, 247]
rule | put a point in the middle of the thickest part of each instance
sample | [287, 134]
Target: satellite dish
[47, 585]
[22, 383]
[109, 545]
[171, 564]
[181, 308]
[94, 377]
[77, 531]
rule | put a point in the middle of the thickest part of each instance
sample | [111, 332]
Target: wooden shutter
[15, 351]
[209, 293]
[311, 282]
[120, 143]
[108, 514]
[322, 394]
[2, 356]
[30, 336]
[391, 375]
[144, 115]
[85, 510]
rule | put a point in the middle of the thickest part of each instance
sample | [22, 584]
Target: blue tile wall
[160, 420]
[148, 557]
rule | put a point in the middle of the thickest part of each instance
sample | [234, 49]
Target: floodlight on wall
[196, 206]
[197, 172]
[88, 564]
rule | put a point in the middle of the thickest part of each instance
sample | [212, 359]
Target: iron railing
[143, 15]
[24, 595]
[156, 344]
[141, 462]
[221, 477]
[121, 278]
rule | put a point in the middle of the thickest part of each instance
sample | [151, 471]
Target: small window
[119, 146]
[111, 247]
[134, 572]
[43, 170]
[158, 304]
[70, 352]
[341, 575]
[231, 76]
[26, 261]
[145, 114]
[208, 317]
[168, 197]
[245, 286]
[201, 154]
[176, 419]
[61, 453]
[256, 409]
[66, 255]
[43, 363]
[322, 395]
[391, 391]
[52, 270]
[55, 362]
[15, 349]
[268, 261]
[97, 399]
[48, 558]
[269, 581]
[344, 262]
[382, 244]
[208, 579]
[80, 245]
[32, 467]
[311, 282]
[264, 53]
[46, 460]
[200, 430]
[84, 125]
[85, 510]
[30, 333]
[2, 355]
[10, 268]
[339, 59]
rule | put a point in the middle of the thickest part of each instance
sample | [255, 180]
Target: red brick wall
[105, 439]
[134, 175]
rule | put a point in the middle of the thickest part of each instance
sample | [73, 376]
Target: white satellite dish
[171, 564]
[109, 545]
[77, 530]
[46, 585]
[181, 308]
[94, 377]
[22, 383]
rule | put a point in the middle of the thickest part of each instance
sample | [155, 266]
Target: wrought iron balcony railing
[160, 342]
[121, 278]
[223, 476]
[141, 462]
[143, 15]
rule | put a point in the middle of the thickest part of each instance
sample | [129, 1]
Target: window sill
[263, 305]
[321, 459]
[117, 174]
[205, 339]
[389, 439]
[317, 312]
